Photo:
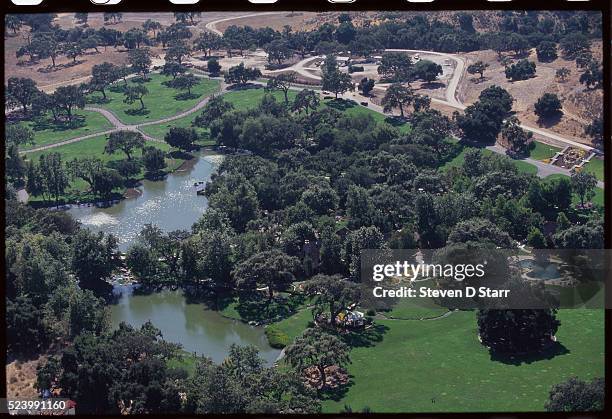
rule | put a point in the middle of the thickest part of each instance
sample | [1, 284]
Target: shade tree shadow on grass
[365, 338]
[337, 393]
[253, 308]
[186, 96]
[396, 121]
[140, 112]
[552, 351]
[98, 100]
[41, 124]
[117, 88]
[341, 104]
[245, 86]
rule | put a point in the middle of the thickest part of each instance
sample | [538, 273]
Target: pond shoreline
[187, 320]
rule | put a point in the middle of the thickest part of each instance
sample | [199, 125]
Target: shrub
[522, 70]
[548, 105]
[276, 337]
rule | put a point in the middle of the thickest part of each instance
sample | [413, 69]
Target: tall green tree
[126, 141]
[272, 269]
[318, 349]
[333, 294]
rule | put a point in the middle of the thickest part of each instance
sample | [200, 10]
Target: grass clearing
[294, 325]
[93, 147]
[598, 199]
[409, 308]
[543, 151]
[185, 361]
[161, 101]
[250, 98]
[441, 360]
[241, 99]
[595, 166]
[459, 160]
[47, 132]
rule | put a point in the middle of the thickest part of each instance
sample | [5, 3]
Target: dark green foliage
[546, 51]
[241, 384]
[575, 395]
[517, 331]
[522, 70]
[548, 106]
[276, 337]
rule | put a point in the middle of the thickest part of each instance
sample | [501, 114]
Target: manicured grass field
[595, 166]
[407, 308]
[597, 199]
[47, 132]
[250, 98]
[439, 365]
[93, 147]
[543, 151]
[294, 326]
[241, 99]
[458, 161]
[161, 101]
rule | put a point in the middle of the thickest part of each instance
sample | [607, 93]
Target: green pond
[171, 204]
[198, 329]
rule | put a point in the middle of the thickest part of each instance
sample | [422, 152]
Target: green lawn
[439, 365]
[186, 361]
[458, 161]
[241, 99]
[354, 108]
[409, 308]
[294, 326]
[161, 101]
[598, 199]
[47, 132]
[543, 151]
[250, 98]
[93, 147]
[595, 166]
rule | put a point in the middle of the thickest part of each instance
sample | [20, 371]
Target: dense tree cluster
[49, 263]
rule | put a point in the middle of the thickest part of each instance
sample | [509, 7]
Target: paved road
[212, 26]
[303, 68]
[118, 125]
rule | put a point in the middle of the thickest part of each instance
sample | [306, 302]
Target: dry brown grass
[20, 378]
[79, 73]
[580, 105]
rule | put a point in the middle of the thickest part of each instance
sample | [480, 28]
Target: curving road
[118, 125]
[304, 69]
[212, 26]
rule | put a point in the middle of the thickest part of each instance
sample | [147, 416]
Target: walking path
[118, 125]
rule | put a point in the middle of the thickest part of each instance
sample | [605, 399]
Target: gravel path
[118, 125]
